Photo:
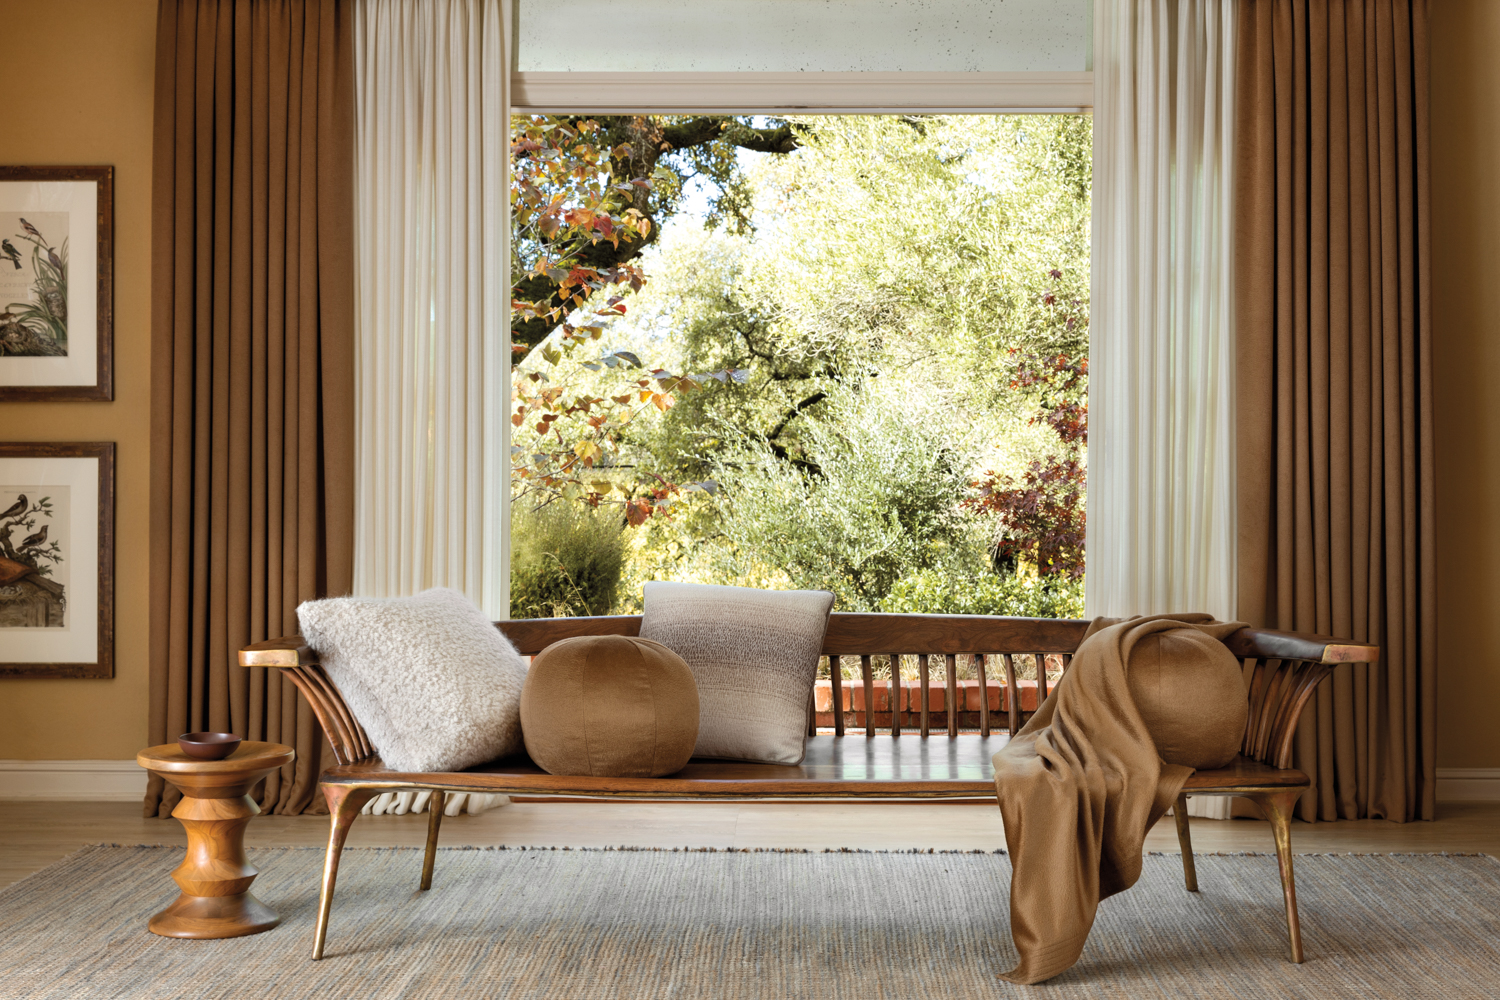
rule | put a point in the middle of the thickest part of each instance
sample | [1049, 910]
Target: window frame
[807, 93]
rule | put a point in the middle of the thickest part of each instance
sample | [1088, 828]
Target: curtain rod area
[816, 93]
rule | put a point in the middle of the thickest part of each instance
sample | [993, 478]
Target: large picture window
[836, 352]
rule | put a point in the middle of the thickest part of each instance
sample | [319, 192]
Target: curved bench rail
[1282, 671]
[296, 658]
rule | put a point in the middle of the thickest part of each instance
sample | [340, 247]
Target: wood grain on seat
[836, 767]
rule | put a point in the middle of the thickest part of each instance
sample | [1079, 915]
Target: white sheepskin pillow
[435, 684]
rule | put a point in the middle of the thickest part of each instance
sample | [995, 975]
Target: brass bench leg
[434, 821]
[1185, 841]
[1277, 808]
[344, 804]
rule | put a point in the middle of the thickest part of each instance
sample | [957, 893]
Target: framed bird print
[56, 283]
[57, 560]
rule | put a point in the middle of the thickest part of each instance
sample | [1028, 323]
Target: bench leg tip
[1185, 842]
[344, 804]
[435, 806]
[1277, 808]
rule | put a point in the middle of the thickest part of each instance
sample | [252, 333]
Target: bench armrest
[1283, 671]
[288, 651]
[292, 654]
[1265, 643]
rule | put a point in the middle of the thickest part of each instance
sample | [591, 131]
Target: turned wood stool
[214, 877]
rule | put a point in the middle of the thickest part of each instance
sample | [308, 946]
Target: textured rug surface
[587, 923]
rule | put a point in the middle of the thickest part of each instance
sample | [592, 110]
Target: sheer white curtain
[432, 230]
[1161, 492]
[1161, 496]
[432, 292]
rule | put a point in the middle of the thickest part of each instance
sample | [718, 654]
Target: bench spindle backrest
[991, 673]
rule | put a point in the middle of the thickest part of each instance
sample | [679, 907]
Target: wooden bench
[1282, 669]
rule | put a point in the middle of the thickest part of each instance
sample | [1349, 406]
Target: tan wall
[78, 82]
[1466, 288]
[93, 105]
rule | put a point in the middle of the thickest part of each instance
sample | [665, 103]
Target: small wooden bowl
[208, 746]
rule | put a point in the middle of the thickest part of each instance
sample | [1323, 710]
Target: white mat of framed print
[56, 280]
[56, 560]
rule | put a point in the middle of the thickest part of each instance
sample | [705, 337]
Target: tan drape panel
[1334, 393]
[252, 445]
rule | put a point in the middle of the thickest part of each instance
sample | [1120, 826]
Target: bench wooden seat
[836, 767]
[936, 760]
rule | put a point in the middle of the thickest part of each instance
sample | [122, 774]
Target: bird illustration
[10, 253]
[23, 341]
[16, 509]
[35, 541]
[30, 229]
[56, 303]
[54, 258]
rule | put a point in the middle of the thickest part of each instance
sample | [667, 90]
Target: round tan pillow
[1190, 691]
[609, 706]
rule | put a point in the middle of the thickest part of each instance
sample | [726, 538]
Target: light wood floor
[35, 834]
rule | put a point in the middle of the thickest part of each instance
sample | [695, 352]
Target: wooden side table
[214, 877]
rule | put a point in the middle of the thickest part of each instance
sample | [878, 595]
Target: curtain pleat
[1334, 379]
[432, 293]
[252, 362]
[1161, 451]
[433, 298]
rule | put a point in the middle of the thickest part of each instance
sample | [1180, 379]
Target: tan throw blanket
[1079, 786]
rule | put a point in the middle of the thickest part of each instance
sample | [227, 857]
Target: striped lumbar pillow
[754, 655]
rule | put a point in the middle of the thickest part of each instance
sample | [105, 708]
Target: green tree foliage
[936, 593]
[918, 250]
[871, 498]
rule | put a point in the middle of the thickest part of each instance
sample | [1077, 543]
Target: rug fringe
[837, 850]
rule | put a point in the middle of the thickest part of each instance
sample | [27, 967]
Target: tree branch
[647, 141]
[706, 128]
[812, 400]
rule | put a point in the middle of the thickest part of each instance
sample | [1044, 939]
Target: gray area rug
[518, 923]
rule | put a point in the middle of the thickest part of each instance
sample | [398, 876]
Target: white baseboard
[1468, 784]
[85, 780]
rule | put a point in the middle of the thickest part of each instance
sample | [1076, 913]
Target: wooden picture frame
[56, 333]
[57, 559]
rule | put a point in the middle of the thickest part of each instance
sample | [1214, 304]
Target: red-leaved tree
[574, 225]
[1041, 516]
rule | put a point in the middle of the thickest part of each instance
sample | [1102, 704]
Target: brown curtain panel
[1334, 327]
[252, 447]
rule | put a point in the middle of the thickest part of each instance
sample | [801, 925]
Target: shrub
[934, 592]
[566, 559]
[871, 492]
